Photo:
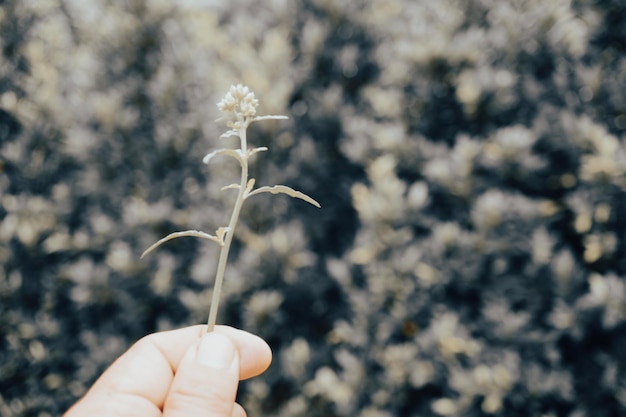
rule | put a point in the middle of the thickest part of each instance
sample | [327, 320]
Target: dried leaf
[283, 189]
[237, 154]
[271, 116]
[193, 233]
[249, 186]
[230, 187]
[256, 150]
[229, 133]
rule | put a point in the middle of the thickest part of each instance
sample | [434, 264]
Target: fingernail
[215, 350]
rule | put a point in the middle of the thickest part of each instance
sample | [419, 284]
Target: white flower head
[239, 101]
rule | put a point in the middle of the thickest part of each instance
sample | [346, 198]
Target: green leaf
[283, 189]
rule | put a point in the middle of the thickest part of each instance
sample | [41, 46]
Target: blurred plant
[240, 106]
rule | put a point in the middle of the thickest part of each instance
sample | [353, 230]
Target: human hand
[179, 373]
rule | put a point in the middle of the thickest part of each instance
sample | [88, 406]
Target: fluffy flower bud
[239, 101]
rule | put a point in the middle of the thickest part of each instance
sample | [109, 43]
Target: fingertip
[238, 411]
[255, 353]
[216, 350]
[206, 380]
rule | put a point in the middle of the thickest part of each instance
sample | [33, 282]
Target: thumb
[206, 381]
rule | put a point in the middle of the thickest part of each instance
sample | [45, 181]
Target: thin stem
[221, 265]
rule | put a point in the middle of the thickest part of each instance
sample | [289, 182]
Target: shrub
[469, 157]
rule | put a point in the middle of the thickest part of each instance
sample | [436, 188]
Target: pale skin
[179, 373]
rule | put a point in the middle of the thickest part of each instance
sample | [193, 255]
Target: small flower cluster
[240, 101]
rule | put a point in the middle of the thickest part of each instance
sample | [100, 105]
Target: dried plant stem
[240, 104]
[225, 248]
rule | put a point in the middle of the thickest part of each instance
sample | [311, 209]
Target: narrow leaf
[230, 187]
[268, 117]
[226, 152]
[283, 189]
[256, 150]
[193, 233]
[229, 133]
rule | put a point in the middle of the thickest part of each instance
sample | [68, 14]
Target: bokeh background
[469, 156]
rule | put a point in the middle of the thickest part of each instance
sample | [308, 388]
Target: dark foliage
[470, 161]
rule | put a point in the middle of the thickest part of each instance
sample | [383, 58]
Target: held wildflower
[240, 106]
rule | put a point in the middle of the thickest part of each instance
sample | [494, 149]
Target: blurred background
[469, 156]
